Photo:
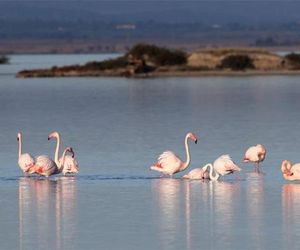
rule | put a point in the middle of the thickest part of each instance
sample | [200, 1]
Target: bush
[294, 60]
[237, 62]
[159, 56]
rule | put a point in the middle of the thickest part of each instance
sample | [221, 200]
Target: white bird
[169, 163]
[255, 154]
[221, 166]
[199, 173]
[67, 164]
[44, 166]
[224, 165]
[25, 160]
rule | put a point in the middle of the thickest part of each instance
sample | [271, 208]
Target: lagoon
[118, 127]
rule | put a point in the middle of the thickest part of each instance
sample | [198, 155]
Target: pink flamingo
[25, 160]
[199, 173]
[45, 166]
[169, 163]
[221, 166]
[255, 154]
[66, 164]
[290, 172]
[224, 165]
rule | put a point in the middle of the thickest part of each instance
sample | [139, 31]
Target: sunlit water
[117, 128]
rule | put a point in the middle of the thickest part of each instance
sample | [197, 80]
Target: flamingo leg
[256, 166]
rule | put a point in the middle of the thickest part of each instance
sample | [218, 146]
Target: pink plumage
[169, 163]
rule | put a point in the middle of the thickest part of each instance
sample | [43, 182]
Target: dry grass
[211, 58]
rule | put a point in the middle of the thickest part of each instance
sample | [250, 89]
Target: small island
[145, 60]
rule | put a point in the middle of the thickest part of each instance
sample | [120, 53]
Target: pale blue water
[117, 128]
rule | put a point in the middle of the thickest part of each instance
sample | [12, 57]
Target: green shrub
[158, 55]
[294, 60]
[237, 62]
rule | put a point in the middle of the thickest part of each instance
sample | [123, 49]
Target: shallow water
[117, 128]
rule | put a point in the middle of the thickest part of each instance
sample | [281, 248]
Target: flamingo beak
[196, 141]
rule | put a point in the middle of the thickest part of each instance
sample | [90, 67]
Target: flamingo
[169, 163]
[25, 160]
[290, 172]
[45, 166]
[199, 173]
[255, 154]
[221, 166]
[67, 164]
[224, 165]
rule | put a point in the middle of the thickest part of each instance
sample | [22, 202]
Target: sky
[211, 12]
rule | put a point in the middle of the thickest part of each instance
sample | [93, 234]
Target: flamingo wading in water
[255, 154]
[290, 172]
[44, 166]
[169, 163]
[221, 166]
[25, 160]
[199, 173]
[66, 163]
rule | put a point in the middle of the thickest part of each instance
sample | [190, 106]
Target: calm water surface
[118, 127]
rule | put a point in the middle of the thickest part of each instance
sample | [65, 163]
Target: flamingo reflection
[207, 209]
[47, 214]
[291, 214]
[255, 207]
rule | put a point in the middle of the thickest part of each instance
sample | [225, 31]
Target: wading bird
[290, 172]
[169, 163]
[255, 154]
[221, 166]
[67, 164]
[25, 160]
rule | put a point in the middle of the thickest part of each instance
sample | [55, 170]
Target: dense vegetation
[293, 60]
[149, 53]
[158, 55]
[237, 62]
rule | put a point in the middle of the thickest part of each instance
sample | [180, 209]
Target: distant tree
[237, 62]
[158, 55]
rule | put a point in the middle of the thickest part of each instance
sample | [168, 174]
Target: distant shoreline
[166, 74]
[146, 60]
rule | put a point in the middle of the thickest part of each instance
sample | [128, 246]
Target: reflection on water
[208, 209]
[166, 196]
[291, 215]
[255, 205]
[47, 213]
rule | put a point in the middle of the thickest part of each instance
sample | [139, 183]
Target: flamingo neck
[57, 151]
[20, 146]
[188, 157]
[61, 166]
[213, 178]
[206, 166]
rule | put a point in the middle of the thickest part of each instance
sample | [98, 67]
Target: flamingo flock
[43, 165]
[168, 163]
